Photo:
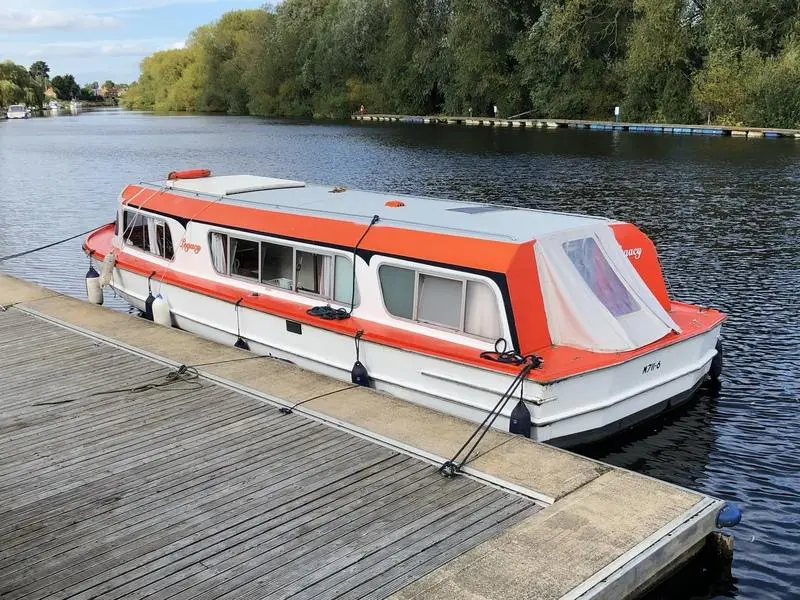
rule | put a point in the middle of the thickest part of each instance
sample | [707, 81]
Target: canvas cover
[593, 296]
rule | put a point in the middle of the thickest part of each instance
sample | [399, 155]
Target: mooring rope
[451, 467]
[32, 250]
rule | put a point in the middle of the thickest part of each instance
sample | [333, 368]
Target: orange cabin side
[526, 300]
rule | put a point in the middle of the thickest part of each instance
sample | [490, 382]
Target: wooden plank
[292, 554]
[198, 485]
[130, 524]
[370, 568]
[105, 548]
[296, 503]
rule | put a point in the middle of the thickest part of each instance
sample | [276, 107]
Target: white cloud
[33, 20]
[98, 7]
[94, 48]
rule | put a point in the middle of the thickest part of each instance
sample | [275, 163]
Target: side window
[277, 265]
[343, 291]
[148, 233]
[480, 312]
[397, 285]
[284, 267]
[219, 252]
[313, 273]
[244, 258]
[458, 304]
[439, 301]
[136, 231]
[163, 237]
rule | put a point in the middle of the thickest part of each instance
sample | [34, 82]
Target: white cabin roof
[224, 185]
[492, 221]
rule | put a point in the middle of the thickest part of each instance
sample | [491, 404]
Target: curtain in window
[322, 264]
[343, 282]
[481, 316]
[440, 301]
[152, 234]
[218, 252]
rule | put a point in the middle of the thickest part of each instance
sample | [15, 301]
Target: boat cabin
[465, 273]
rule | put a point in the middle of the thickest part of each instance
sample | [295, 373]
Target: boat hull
[571, 411]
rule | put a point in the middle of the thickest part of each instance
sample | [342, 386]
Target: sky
[96, 40]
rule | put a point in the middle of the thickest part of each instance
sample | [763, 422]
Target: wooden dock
[124, 477]
[653, 128]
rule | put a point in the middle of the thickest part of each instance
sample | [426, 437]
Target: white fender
[94, 293]
[161, 314]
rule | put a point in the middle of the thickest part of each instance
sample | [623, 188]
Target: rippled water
[724, 213]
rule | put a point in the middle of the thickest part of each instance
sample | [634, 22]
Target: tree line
[19, 85]
[680, 61]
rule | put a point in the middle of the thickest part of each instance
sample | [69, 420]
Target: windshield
[594, 269]
[16, 108]
[594, 298]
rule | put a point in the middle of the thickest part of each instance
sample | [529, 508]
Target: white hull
[574, 410]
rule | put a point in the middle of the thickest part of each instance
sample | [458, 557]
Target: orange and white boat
[446, 304]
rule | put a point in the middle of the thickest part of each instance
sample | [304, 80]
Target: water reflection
[676, 447]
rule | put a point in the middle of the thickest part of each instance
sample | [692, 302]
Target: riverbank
[719, 130]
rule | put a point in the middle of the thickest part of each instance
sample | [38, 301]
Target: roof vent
[475, 209]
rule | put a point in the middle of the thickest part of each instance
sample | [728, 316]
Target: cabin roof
[489, 221]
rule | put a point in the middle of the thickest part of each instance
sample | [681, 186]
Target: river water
[723, 212]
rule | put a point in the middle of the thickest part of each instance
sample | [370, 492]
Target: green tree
[65, 87]
[570, 57]
[663, 60]
[39, 72]
[480, 42]
[657, 69]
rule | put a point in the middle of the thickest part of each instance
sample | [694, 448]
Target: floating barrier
[737, 131]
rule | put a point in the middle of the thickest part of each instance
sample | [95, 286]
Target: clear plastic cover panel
[595, 271]
[593, 296]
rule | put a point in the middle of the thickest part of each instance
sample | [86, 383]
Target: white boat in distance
[445, 304]
[18, 111]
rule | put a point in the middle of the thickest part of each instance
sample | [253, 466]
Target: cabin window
[397, 285]
[458, 304]
[244, 258]
[277, 265]
[148, 233]
[163, 240]
[284, 267]
[136, 231]
[343, 290]
[590, 262]
[313, 273]
[219, 252]
[480, 311]
[439, 301]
